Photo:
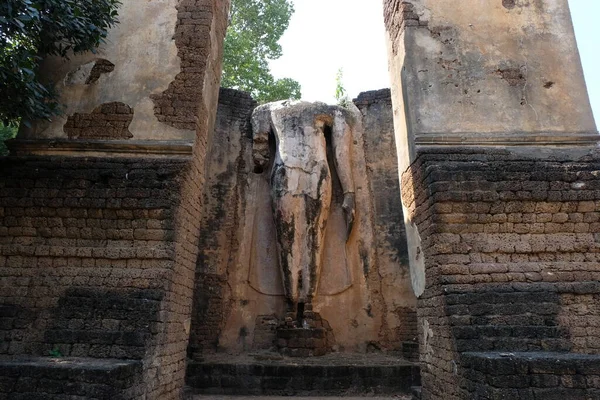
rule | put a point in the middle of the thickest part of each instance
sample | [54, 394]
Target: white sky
[325, 35]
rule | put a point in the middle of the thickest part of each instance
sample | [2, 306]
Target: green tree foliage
[6, 132]
[254, 30]
[32, 29]
[341, 95]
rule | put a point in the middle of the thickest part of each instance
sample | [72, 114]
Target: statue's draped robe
[265, 274]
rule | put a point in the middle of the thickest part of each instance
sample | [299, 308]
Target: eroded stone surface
[145, 61]
[108, 121]
[301, 185]
[364, 289]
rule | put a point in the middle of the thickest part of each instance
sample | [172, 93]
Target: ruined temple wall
[498, 153]
[87, 246]
[237, 304]
[98, 253]
[511, 260]
[391, 253]
[140, 66]
[199, 35]
[223, 204]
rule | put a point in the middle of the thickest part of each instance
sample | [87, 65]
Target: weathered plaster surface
[391, 273]
[498, 154]
[343, 296]
[493, 73]
[486, 69]
[146, 61]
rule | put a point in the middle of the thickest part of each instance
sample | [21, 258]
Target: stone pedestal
[311, 338]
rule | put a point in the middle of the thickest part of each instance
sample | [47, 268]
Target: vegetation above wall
[33, 29]
[6, 132]
[255, 26]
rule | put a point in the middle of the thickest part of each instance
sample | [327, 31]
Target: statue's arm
[341, 138]
[261, 127]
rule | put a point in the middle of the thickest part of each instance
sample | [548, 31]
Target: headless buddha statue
[301, 187]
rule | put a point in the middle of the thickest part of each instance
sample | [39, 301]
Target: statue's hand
[349, 210]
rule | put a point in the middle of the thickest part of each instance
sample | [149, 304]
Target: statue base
[310, 337]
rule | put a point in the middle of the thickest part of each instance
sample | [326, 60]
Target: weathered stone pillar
[497, 145]
[104, 202]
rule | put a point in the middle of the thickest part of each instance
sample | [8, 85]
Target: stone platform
[335, 374]
[211, 397]
[531, 375]
[33, 378]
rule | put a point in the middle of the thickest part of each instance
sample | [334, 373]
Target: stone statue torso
[300, 164]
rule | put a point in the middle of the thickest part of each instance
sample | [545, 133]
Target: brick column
[100, 209]
[497, 148]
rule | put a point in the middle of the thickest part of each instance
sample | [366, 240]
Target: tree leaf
[252, 39]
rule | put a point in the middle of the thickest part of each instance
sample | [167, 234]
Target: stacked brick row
[103, 323]
[511, 249]
[68, 378]
[86, 248]
[530, 376]
[108, 121]
[180, 105]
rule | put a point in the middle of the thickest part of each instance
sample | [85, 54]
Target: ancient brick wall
[98, 255]
[108, 121]
[87, 247]
[100, 224]
[509, 243]
[209, 313]
[580, 315]
[531, 376]
[199, 36]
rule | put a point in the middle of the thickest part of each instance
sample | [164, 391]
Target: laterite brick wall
[512, 256]
[98, 255]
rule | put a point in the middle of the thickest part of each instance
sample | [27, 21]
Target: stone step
[28, 378]
[337, 374]
[531, 375]
[212, 397]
